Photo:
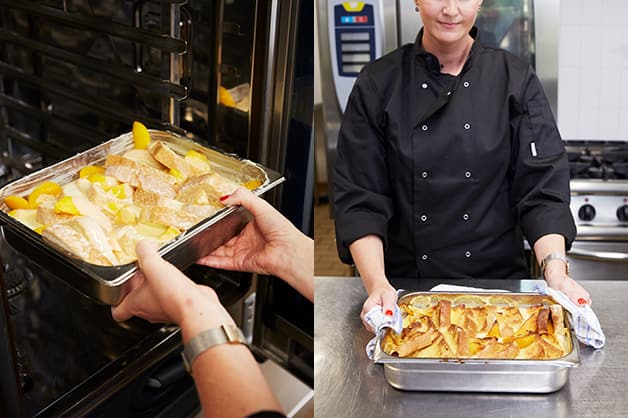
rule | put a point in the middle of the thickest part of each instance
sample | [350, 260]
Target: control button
[355, 36]
[357, 58]
[622, 213]
[355, 47]
[586, 213]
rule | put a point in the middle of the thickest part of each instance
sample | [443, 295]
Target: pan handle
[598, 255]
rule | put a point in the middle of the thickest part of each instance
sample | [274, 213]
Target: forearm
[549, 244]
[298, 268]
[228, 379]
[368, 255]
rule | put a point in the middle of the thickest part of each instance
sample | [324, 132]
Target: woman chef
[448, 155]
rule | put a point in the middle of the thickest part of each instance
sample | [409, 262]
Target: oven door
[598, 260]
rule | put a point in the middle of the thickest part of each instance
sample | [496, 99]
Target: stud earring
[416, 8]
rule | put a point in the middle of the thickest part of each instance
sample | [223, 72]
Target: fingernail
[388, 312]
[582, 301]
[225, 197]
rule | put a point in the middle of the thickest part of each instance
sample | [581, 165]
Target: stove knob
[586, 213]
[622, 213]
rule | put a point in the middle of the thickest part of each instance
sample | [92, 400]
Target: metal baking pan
[107, 284]
[480, 375]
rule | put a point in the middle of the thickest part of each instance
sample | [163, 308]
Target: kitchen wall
[593, 70]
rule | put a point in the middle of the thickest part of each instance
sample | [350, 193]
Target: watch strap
[554, 256]
[225, 334]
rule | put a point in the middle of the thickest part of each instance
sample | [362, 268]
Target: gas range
[599, 188]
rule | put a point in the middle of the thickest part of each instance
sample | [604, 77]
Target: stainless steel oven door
[598, 260]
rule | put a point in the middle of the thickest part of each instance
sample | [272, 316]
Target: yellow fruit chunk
[91, 169]
[170, 233]
[16, 202]
[66, 205]
[96, 178]
[141, 137]
[118, 191]
[523, 342]
[225, 98]
[494, 331]
[252, 184]
[47, 187]
[39, 229]
[126, 216]
[112, 207]
[177, 174]
[195, 155]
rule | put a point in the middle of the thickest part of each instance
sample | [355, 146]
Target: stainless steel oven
[599, 204]
[233, 74]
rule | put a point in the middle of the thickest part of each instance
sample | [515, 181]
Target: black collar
[430, 59]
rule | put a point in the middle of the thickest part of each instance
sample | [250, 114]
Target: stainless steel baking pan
[480, 375]
[107, 284]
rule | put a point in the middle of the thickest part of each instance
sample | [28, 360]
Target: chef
[448, 156]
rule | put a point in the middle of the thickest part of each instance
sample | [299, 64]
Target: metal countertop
[347, 384]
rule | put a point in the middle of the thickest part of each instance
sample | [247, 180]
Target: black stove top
[606, 160]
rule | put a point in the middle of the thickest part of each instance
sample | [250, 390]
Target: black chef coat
[451, 172]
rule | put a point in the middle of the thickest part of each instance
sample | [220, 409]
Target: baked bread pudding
[148, 192]
[481, 327]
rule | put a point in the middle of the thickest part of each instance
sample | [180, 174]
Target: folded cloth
[585, 323]
[376, 319]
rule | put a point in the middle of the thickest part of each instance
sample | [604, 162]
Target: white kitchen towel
[585, 323]
[376, 318]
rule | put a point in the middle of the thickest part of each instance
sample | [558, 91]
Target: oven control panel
[599, 209]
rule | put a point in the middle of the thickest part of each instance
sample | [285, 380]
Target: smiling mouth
[449, 24]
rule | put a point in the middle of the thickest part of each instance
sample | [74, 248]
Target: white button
[424, 127]
[424, 85]
[424, 174]
[423, 218]
[467, 126]
[465, 216]
[467, 254]
[448, 93]
[424, 257]
[467, 174]
[466, 84]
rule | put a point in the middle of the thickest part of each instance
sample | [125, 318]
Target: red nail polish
[582, 301]
[389, 312]
[225, 197]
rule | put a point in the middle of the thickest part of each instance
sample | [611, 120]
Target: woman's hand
[557, 279]
[269, 244]
[384, 296]
[160, 292]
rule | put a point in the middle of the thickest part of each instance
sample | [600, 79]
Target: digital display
[354, 19]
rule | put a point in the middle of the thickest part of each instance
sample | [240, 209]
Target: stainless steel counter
[347, 384]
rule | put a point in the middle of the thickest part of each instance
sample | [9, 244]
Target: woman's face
[448, 21]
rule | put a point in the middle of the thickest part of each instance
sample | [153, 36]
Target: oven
[599, 205]
[231, 74]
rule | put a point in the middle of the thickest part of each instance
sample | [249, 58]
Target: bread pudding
[478, 327]
[151, 191]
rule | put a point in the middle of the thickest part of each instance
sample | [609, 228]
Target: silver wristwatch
[225, 334]
[554, 256]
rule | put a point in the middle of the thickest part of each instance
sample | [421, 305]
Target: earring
[416, 8]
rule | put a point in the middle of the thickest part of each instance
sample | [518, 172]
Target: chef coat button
[448, 93]
[424, 174]
[424, 257]
[423, 218]
[465, 216]
[467, 174]
[467, 126]
[467, 254]
[424, 127]
[424, 85]
[466, 84]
